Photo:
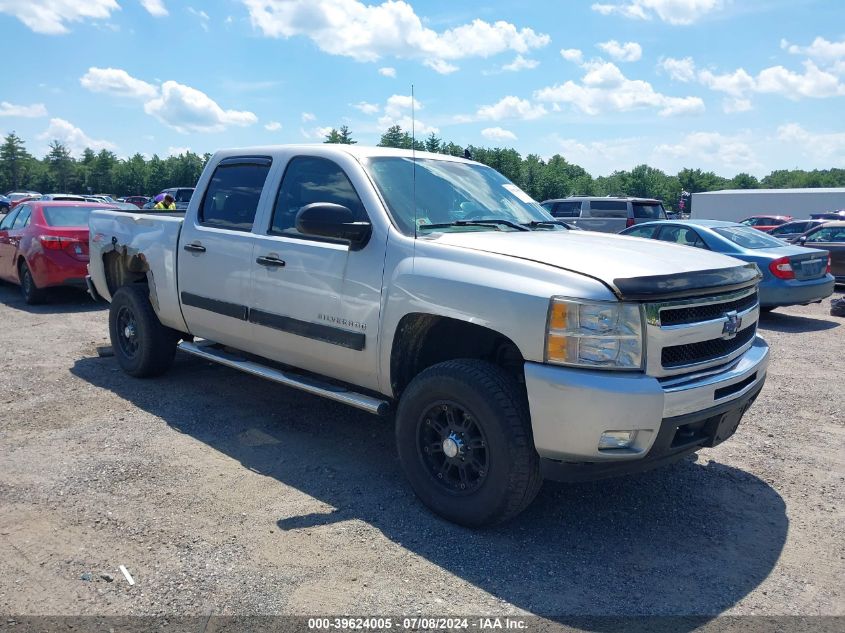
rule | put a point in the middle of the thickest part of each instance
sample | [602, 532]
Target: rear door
[315, 301]
[215, 260]
[831, 239]
[7, 248]
[607, 216]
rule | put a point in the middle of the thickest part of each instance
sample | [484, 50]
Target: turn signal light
[782, 269]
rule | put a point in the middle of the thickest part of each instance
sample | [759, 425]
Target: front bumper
[779, 293]
[571, 408]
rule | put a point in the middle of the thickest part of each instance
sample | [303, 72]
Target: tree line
[105, 172]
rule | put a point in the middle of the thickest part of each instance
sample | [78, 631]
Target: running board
[207, 351]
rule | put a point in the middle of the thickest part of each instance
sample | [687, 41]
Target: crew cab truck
[431, 290]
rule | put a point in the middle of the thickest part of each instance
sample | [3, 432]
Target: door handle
[194, 248]
[273, 262]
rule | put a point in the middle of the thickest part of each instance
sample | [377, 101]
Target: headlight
[596, 335]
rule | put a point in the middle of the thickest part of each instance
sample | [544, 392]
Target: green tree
[60, 164]
[744, 181]
[432, 143]
[14, 162]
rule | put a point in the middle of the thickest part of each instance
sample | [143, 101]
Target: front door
[215, 263]
[315, 302]
[7, 249]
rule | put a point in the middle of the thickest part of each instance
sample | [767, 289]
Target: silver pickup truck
[432, 290]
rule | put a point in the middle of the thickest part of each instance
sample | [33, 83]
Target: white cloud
[187, 109]
[603, 156]
[521, 63]
[22, 111]
[572, 55]
[50, 16]
[273, 126]
[678, 69]
[72, 137]
[812, 83]
[627, 52]
[604, 88]
[317, 133]
[369, 32]
[511, 107]
[117, 81]
[827, 147]
[202, 16]
[820, 49]
[155, 7]
[397, 111]
[307, 117]
[714, 150]
[671, 11]
[176, 150]
[440, 66]
[731, 105]
[498, 134]
[387, 71]
[367, 108]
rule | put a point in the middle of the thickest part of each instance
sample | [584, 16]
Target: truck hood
[634, 268]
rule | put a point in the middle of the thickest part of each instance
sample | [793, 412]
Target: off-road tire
[150, 348]
[498, 406]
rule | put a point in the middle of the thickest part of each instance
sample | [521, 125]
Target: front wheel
[464, 438]
[142, 345]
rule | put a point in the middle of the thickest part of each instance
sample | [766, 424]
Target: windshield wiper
[482, 222]
[537, 223]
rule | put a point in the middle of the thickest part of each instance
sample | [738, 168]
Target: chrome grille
[679, 316]
[692, 353]
[690, 335]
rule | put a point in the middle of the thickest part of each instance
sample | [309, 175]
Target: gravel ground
[225, 494]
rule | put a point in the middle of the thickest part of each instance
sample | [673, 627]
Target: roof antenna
[414, 161]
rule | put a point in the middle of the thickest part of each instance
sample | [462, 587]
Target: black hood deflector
[681, 285]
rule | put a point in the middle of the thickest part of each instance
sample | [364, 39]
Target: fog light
[617, 439]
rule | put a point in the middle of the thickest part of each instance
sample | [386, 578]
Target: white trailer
[737, 204]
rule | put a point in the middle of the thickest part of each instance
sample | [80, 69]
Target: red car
[138, 201]
[45, 244]
[766, 222]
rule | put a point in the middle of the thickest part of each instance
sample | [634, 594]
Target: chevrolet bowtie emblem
[732, 324]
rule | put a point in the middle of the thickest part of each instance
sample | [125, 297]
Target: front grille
[693, 353]
[695, 314]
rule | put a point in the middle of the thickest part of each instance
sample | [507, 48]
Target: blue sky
[726, 85]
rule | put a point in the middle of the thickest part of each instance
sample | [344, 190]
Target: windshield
[747, 237]
[68, 216]
[447, 192]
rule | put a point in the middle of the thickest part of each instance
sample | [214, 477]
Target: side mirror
[802, 240]
[324, 219]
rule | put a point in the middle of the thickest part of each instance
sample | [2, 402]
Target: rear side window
[608, 208]
[682, 235]
[828, 234]
[307, 180]
[643, 231]
[649, 210]
[746, 237]
[567, 209]
[231, 198]
[23, 218]
[67, 216]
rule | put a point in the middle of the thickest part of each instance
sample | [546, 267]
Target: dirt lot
[225, 494]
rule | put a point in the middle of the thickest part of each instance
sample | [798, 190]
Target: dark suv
[605, 214]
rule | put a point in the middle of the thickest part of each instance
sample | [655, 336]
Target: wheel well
[423, 340]
[123, 269]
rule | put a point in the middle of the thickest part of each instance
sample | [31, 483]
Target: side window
[567, 209]
[307, 180]
[6, 224]
[231, 198]
[608, 208]
[643, 231]
[828, 234]
[682, 235]
[23, 217]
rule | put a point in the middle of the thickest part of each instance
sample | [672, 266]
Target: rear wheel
[142, 345]
[464, 438]
[32, 294]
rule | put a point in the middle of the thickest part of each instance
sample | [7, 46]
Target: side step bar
[207, 351]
